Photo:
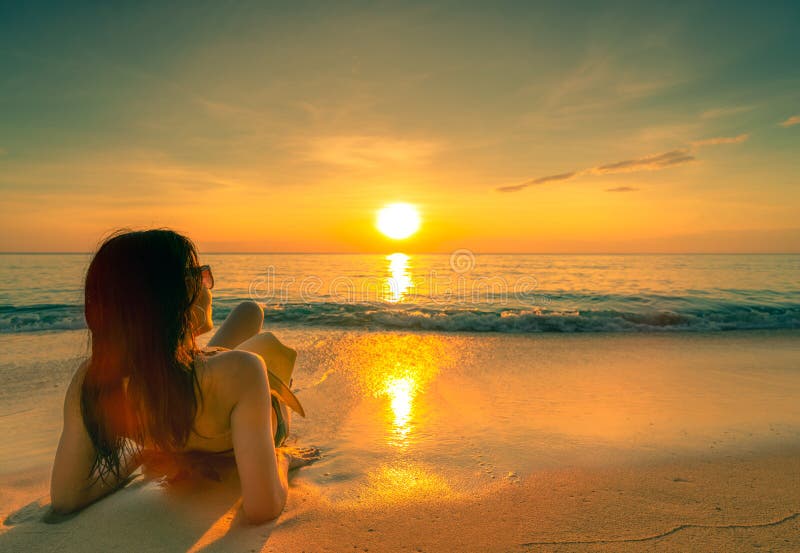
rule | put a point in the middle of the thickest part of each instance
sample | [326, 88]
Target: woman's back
[146, 387]
[211, 431]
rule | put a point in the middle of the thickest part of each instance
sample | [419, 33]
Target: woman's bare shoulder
[233, 360]
[73, 394]
[80, 372]
[232, 371]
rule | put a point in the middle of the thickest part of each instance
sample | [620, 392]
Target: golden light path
[400, 280]
[401, 390]
[401, 393]
[398, 370]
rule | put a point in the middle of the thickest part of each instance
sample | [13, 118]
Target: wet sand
[438, 442]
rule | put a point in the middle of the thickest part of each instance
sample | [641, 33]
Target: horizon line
[422, 253]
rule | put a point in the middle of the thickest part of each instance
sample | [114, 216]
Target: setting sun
[398, 221]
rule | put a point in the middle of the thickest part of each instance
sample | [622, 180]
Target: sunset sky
[513, 127]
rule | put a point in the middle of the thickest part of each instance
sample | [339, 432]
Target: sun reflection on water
[401, 393]
[399, 283]
[397, 370]
[392, 377]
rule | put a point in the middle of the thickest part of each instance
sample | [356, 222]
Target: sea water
[461, 291]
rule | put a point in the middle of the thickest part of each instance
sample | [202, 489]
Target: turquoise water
[453, 292]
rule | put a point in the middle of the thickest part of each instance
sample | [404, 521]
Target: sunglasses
[206, 275]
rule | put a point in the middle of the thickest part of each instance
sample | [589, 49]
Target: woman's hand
[300, 456]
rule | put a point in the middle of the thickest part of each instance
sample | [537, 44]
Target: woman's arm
[263, 475]
[71, 488]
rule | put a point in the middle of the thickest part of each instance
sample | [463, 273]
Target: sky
[558, 127]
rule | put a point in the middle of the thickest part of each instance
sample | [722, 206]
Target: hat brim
[280, 389]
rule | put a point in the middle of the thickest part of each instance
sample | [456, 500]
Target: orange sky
[274, 129]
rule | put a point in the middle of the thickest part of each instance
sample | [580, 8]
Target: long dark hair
[140, 288]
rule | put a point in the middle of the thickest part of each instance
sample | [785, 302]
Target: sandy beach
[462, 442]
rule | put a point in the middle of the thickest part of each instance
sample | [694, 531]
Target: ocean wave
[30, 318]
[679, 316]
[521, 320]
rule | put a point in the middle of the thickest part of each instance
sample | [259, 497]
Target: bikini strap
[213, 349]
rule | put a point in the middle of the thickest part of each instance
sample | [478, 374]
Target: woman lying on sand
[146, 385]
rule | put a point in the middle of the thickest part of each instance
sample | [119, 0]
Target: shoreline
[294, 327]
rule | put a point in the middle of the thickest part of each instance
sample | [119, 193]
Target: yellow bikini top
[277, 386]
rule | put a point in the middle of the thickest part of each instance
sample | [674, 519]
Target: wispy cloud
[595, 87]
[562, 176]
[724, 111]
[370, 151]
[134, 174]
[648, 163]
[793, 120]
[179, 176]
[512, 188]
[653, 162]
[600, 81]
[540, 180]
[721, 140]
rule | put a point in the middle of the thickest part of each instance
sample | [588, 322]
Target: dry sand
[745, 503]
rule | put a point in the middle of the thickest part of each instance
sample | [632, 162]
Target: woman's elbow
[258, 516]
[64, 504]
[66, 499]
[264, 513]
